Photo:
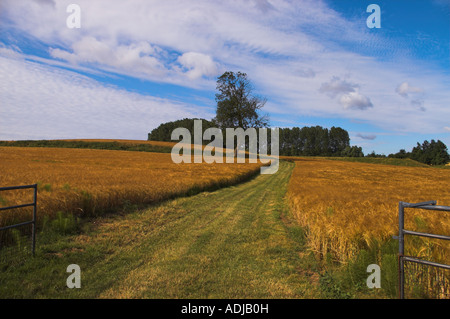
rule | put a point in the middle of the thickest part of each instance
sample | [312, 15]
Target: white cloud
[198, 65]
[347, 93]
[355, 100]
[138, 59]
[404, 89]
[336, 87]
[289, 49]
[41, 102]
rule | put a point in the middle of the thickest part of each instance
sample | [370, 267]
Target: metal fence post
[429, 205]
[33, 241]
[401, 250]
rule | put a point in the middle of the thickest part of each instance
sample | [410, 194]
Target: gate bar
[33, 221]
[430, 205]
[16, 225]
[415, 233]
[425, 262]
[16, 206]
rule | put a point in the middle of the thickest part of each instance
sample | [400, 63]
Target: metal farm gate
[31, 222]
[432, 278]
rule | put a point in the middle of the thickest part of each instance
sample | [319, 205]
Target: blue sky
[135, 64]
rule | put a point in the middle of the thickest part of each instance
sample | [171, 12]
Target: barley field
[349, 206]
[88, 182]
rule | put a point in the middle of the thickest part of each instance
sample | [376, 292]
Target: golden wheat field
[88, 182]
[345, 206]
[224, 151]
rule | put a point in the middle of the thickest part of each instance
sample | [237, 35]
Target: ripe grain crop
[348, 206]
[87, 182]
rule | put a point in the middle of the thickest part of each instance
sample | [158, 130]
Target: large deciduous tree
[237, 106]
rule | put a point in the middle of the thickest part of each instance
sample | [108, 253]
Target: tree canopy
[237, 106]
[430, 153]
[314, 141]
[164, 131]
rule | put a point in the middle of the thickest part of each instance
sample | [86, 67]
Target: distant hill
[104, 144]
[370, 160]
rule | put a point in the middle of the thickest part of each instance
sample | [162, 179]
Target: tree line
[305, 141]
[430, 153]
[316, 141]
[238, 106]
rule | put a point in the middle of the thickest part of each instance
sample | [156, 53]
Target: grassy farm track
[237, 242]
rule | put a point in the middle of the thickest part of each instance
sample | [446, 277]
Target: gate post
[33, 230]
[401, 250]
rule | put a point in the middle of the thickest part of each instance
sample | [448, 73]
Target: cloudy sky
[135, 64]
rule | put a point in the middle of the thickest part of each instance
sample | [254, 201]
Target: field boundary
[138, 146]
